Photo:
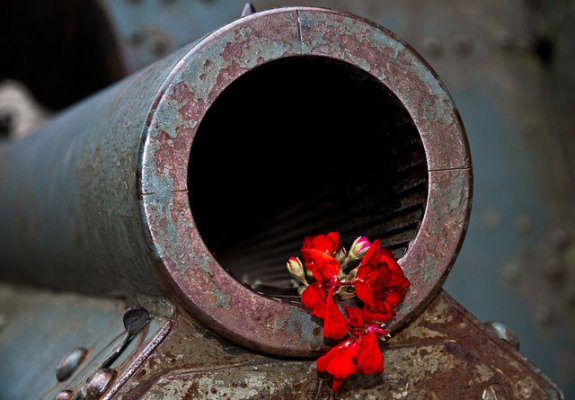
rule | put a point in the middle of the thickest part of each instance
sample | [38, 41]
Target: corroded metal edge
[446, 353]
[213, 295]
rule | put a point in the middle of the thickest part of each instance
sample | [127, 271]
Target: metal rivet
[134, 319]
[554, 268]
[64, 395]
[560, 238]
[543, 314]
[493, 392]
[98, 383]
[433, 46]
[462, 44]
[248, 9]
[503, 332]
[158, 43]
[136, 38]
[70, 363]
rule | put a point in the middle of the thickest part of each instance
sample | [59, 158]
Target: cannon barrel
[197, 177]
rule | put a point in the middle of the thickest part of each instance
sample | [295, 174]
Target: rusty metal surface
[96, 212]
[483, 52]
[215, 297]
[508, 66]
[41, 328]
[444, 354]
[71, 193]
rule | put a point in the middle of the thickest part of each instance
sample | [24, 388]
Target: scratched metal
[39, 328]
[69, 193]
[213, 295]
[520, 131]
[97, 200]
[444, 354]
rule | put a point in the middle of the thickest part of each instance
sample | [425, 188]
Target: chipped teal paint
[222, 298]
[202, 261]
[127, 225]
[301, 324]
[80, 208]
[238, 48]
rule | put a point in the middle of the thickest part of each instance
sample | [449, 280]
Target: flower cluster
[370, 283]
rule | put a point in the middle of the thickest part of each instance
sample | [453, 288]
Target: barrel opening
[301, 146]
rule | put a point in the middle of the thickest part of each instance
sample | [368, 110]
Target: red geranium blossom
[358, 354]
[318, 252]
[380, 283]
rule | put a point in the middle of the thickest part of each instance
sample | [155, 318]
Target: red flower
[318, 252]
[340, 362]
[380, 283]
[313, 297]
[324, 267]
[334, 324]
[321, 305]
[358, 354]
[328, 244]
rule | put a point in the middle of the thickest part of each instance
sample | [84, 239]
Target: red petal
[324, 267]
[334, 324]
[381, 313]
[372, 253]
[397, 279]
[369, 355]
[355, 316]
[336, 383]
[372, 316]
[395, 298]
[329, 243]
[364, 291]
[340, 360]
[324, 361]
[313, 297]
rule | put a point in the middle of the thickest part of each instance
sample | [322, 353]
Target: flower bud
[359, 247]
[295, 268]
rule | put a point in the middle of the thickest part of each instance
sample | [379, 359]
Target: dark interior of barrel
[302, 146]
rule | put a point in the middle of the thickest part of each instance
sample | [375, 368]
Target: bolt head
[70, 363]
[503, 332]
[98, 383]
[134, 319]
[64, 395]
[560, 238]
[433, 45]
[462, 44]
[543, 315]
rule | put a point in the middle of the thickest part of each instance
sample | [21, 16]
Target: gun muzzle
[197, 177]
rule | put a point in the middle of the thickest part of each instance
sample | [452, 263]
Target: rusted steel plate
[214, 296]
[444, 354]
[98, 200]
[39, 328]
